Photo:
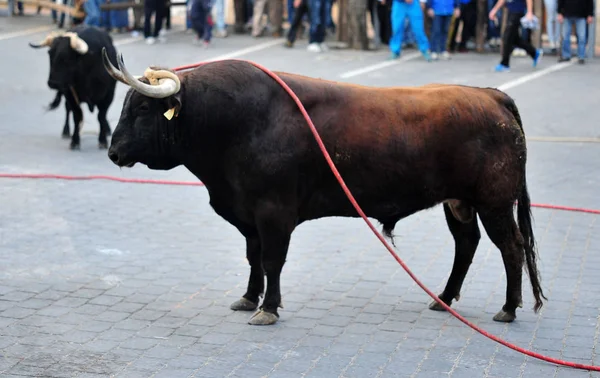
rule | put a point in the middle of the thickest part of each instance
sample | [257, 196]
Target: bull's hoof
[103, 145]
[436, 306]
[505, 317]
[108, 131]
[243, 304]
[65, 135]
[263, 318]
[75, 146]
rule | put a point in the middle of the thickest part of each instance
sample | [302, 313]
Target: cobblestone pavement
[103, 279]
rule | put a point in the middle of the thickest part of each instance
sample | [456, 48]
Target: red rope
[358, 209]
[197, 183]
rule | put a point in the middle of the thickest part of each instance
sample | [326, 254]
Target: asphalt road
[102, 279]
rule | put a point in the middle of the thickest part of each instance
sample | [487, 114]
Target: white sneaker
[314, 47]
[434, 56]
[150, 41]
[324, 47]
[446, 55]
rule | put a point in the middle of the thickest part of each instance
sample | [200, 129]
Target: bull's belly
[376, 207]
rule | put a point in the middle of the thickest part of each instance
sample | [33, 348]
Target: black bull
[399, 150]
[76, 72]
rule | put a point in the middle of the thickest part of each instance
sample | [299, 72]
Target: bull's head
[65, 49]
[145, 131]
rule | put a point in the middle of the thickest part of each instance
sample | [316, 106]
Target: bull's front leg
[275, 226]
[256, 282]
[77, 119]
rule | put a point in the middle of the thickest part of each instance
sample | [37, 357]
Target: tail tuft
[54, 104]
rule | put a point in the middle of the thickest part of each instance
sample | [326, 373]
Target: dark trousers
[203, 24]
[158, 9]
[297, 20]
[439, 34]
[318, 20]
[468, 15]
[512, 38]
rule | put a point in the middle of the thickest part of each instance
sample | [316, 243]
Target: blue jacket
[442, 7]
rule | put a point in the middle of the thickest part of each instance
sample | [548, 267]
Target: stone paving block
[17, 313]
[16, 296]
[174, 373]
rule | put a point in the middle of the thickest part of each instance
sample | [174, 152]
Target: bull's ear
[173, 106]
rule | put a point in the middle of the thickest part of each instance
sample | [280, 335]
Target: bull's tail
[524, 218]
[525, 227]
[54, 104]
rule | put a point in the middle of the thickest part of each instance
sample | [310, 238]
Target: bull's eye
[144, 108]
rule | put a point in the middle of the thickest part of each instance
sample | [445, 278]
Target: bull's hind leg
[462, 223]
[66, 133]
[502, 229]
[256, 282]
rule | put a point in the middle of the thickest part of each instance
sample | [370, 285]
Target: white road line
[378, 66]
[248, 50]
[535, 75]
[126, 41]
[564, 139]
[25, 32]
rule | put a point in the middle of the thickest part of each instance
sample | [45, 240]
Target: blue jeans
[318, 20]
[400, 11]
[580, 27]
[440, 27]
[220, 10]
[92, 10]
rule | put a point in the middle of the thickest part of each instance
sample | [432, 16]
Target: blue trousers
[400, 11]
[92, 10]
[440, 27]
[580, 26]
[203, 24]
[318, 20]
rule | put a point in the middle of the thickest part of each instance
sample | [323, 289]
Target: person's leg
[397, 16]
[276, 16]
[580, 29]
[298, 15]
[415, 14]
[511, 34]
[436, 34]
[148, 10]
[445, 27]
[290, 11]
[158, 17]
[220, 14]
[257, 13]
[317, 24]
[199, 22]
[566, 40]
[551, 24]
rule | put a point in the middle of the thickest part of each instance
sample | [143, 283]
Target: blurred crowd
[437, 28]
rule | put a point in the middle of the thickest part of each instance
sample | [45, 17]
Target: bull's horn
[46, 42]
[166, 87]
[112, 70]
[77, 43]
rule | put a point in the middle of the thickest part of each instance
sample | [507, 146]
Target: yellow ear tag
[169, 113]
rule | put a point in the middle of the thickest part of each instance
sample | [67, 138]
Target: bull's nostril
[113, 156]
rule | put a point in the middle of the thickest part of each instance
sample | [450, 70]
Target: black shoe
[581, 61]
[560, 60]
